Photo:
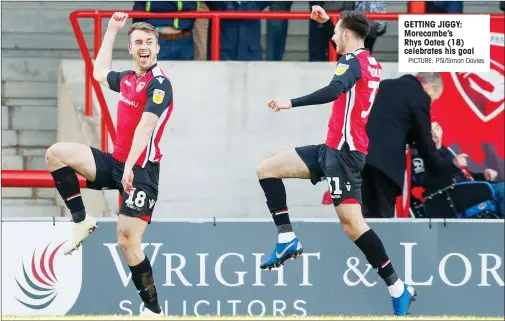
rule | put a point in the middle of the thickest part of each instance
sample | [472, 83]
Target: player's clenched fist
[277, 105]
[118, 21]
[318, 14]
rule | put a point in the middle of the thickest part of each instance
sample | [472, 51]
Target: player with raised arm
[144, 107]
[341, 159]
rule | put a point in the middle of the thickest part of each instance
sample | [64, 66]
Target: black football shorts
[341, 168]
[109, 173]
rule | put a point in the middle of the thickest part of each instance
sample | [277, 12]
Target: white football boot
[81, 231]
[148, 313]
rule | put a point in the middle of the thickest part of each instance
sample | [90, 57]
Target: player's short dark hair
[356, 22]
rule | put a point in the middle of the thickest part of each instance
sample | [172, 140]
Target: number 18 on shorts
[138, 204]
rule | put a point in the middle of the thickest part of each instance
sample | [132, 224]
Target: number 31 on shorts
[334, 186]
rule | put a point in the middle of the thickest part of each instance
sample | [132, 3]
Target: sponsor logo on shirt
[128, 102]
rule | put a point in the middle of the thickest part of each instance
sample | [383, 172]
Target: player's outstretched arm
[103, 62]
[347, 73]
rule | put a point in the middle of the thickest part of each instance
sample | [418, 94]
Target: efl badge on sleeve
[341, 68]
[158, 96]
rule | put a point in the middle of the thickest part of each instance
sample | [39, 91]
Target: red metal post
[31, 178]
[97, 43]
[215, 41]
[104, 135]
[417, 7]
[120, 201]
[406, 209]
[88, 100]
[89, 68]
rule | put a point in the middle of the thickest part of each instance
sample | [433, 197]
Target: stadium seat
[461, 200]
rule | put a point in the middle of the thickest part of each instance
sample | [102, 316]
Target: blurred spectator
[277, 31]
[378, 26]
[425, 182]
[444, 6]
[240, 38]
[502, 5]
[200, 33]
[318, 39]
[176, 37]
[400, 115]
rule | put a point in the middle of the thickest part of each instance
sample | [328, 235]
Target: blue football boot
[282, 252]
[401, 304]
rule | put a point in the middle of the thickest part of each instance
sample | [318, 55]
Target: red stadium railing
[27, 178]
[31, 178]
[214, 16]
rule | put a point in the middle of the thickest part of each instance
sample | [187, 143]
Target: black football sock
[275, 192]
[142, 277]
[371, 245]
[67, 184]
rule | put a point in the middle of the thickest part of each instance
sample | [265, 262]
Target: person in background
[400, 115]
[240, 38]
[175, 35]
[427, 183]
[200, 33]
[378, 26]
[444, 6]
[277, 32]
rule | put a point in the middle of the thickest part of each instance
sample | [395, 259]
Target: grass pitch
[335, 317]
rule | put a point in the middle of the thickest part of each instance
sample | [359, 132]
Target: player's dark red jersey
[360, 74]
[149, 93]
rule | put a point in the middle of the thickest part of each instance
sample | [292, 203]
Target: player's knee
[266, 169]
[126, 240]
[352, 221]
[352, 230]
[54, 154]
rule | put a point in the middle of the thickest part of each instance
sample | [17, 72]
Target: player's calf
[130, 231]
[287, 244]
[356, 228]
[62, 159]
[270, 173]
[142, 277]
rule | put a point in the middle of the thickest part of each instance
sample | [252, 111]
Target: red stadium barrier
[30, 178]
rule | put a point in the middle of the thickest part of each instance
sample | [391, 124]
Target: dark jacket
[444, 6]
[401, 115]
[167, 6]
[240, 38]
